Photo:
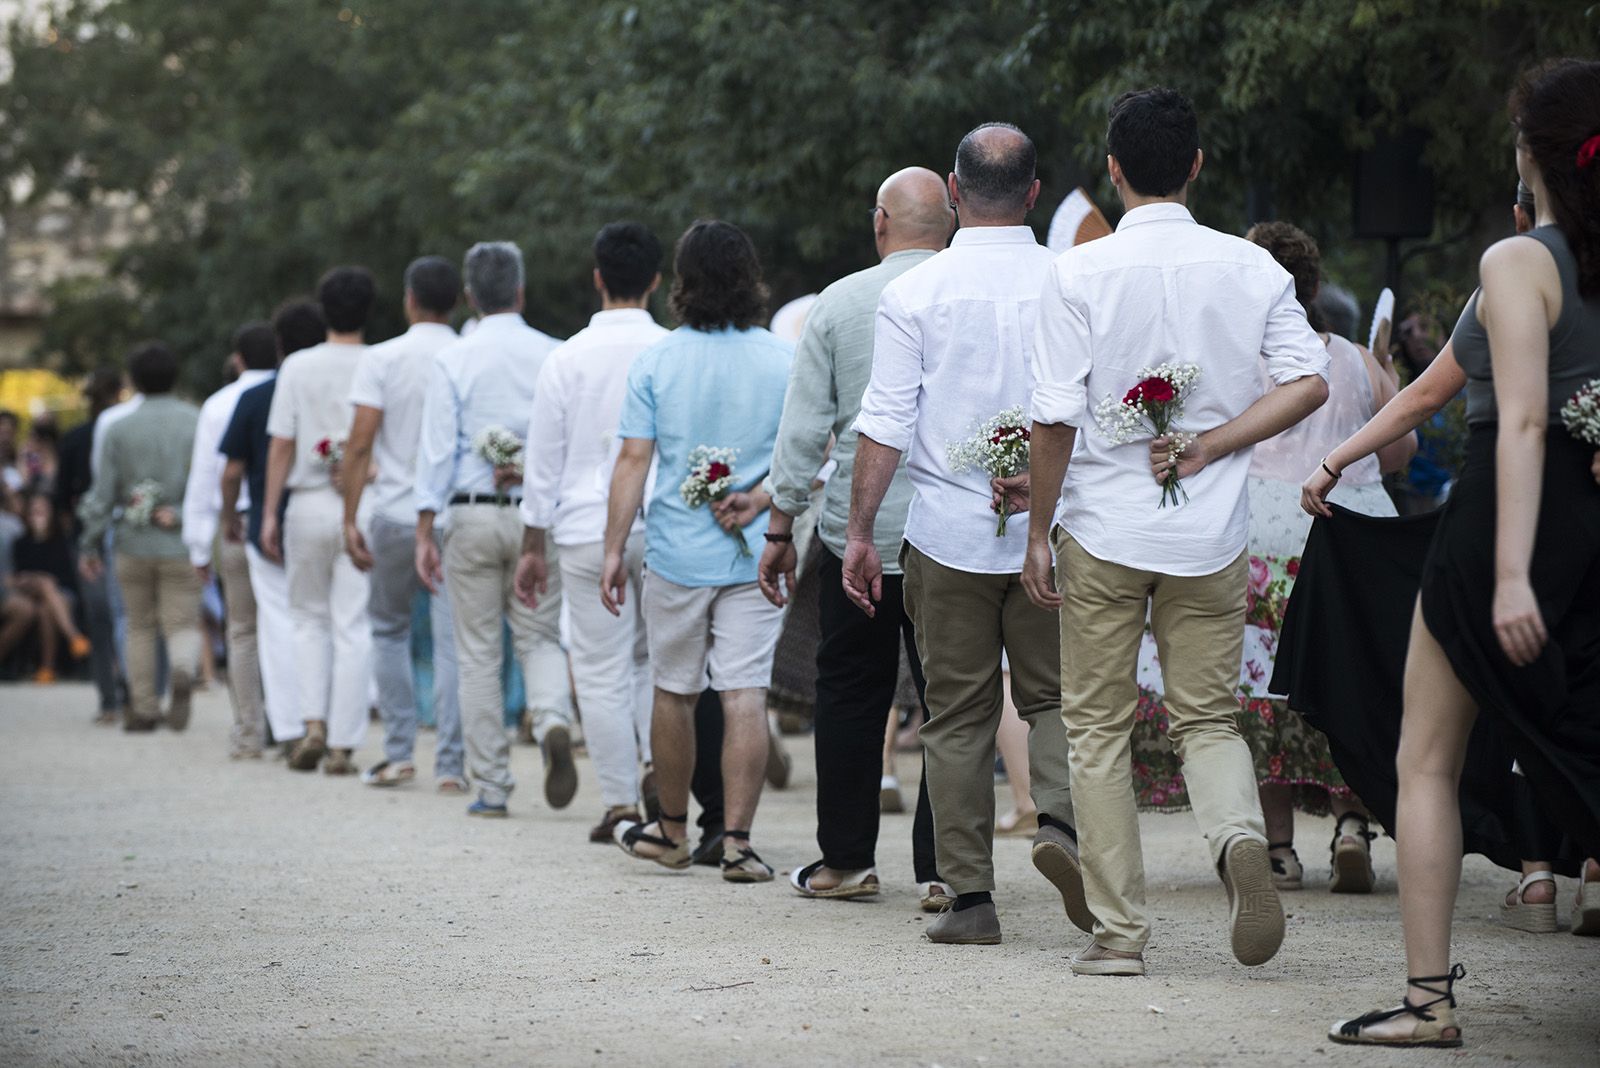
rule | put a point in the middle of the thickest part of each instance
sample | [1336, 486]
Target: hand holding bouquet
[999, 448]
[143, 502]
[711, 479]
[501, 449]
[1152, 406]
[1581, 414]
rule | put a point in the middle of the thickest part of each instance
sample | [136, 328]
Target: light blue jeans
[394, 583]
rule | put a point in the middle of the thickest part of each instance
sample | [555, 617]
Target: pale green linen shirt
[153, 444]
[832, 365]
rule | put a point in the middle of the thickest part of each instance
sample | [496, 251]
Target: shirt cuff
[536, 512]
[883, 431]
[1058, 404]
[200, 557]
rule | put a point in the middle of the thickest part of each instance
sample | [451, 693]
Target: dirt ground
[161, 905]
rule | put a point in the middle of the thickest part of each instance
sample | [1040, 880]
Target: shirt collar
[907, 253]
[252, 375]
[621, 317]
[431, 328]
[502, 320]
[994, 235]
[1149, 213]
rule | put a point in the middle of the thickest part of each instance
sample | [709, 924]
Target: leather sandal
[630, 836]
[861, 883]
[1436, 1019]
[744, 865]
[1535, 917]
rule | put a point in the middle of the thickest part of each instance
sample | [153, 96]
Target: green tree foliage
[272, 139]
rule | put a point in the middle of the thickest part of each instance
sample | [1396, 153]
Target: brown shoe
[560, 773]
[182, 700]
[339, 763]
[602, 832]
[308, 752]
[134, 725]
[1254, 911]
[977, 926]
[1055, 854]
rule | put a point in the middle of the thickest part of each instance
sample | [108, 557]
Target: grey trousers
[244, 660]
[394, 585]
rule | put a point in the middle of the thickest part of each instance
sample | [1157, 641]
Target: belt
[502, 500]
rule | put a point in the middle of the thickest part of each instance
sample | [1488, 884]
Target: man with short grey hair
[483, 386]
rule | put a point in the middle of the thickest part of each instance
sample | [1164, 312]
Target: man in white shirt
[485, 383]
[950, 352]
[565, 487]
[1161, 289]
[387, 395]
[307, 424]
[256, 348]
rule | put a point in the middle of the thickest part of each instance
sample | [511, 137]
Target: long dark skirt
[1341, 658]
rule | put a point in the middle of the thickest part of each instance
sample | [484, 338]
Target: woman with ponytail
[1508, 621]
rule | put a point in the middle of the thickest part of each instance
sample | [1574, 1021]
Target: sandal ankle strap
[1421, 982]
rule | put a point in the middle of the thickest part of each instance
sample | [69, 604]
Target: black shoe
[560, 773]
[708, 854]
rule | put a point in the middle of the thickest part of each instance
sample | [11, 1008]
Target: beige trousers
[1198, 623]
[481, 547]
[244, 663]
[161, 596]
[964, 621]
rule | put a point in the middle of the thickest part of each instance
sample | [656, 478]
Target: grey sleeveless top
[1574, 340]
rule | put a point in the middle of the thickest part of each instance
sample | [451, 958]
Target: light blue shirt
[719, 388]
[485, 379]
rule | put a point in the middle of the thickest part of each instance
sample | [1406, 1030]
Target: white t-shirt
[393, 378]
[312, 403]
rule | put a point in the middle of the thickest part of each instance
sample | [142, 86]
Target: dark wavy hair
[717, 278]
[1555, 108]
[1296, 252]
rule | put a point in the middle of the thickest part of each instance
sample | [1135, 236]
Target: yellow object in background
[32, 392]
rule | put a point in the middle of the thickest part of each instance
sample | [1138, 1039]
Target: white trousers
[610, 668]
[275, 646]
[328, 603]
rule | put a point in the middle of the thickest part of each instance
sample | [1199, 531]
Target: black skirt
[1341, 656]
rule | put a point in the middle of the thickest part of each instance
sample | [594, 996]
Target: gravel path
[160, 905]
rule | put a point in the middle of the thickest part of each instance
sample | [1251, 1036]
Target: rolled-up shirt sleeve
[205, 479]
[639, 403]
[1289, 346]
[1063, 354]
[809, 409]
[436, 449]
[889, 406]
[546, 454]
[283, 416]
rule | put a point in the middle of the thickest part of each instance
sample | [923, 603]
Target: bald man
[858, 661]
[951, 350]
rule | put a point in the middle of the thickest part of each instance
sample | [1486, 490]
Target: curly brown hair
[716, 280]
[1296, 252]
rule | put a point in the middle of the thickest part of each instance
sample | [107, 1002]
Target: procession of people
[1135, 487]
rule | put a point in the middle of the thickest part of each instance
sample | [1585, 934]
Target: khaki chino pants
[1198, 623]
[232, 566]
[963, 622]
[161, 596]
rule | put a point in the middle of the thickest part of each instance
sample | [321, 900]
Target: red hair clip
[1588, 151]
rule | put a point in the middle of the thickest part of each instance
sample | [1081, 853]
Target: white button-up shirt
[310, 403]
[951, 350]
[202, 498]
[1163, 288]
[109, 418]
[486, 379]
[573, 430]
[393, 378]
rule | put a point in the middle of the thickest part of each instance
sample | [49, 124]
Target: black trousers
[858, 666]
[706, 784]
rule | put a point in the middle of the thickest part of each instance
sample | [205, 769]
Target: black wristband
[1336, 476]
[778, 539]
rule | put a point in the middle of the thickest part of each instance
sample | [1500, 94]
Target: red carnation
[717, 470]
[324, 447]
[1152, 390]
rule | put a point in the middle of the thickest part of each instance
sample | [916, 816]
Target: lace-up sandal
[743, 865]
[1351, 857]
[1436, 1019]
[1287, 872]
[630, 836]
[1535, 917]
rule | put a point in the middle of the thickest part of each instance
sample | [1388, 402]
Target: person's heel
[1535, 917]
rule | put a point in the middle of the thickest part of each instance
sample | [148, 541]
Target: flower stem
[1005, 513]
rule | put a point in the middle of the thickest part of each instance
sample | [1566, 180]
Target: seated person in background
[43, 577]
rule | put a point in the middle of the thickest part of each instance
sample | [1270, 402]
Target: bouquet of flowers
[999, 448]
[1581, 414]
[1153, 406]
[330, 452]
[711, 479]
[498, 446]
[143, 500]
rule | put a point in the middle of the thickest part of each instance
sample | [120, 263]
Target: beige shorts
[721, 636]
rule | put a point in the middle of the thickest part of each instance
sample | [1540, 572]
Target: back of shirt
[393, 378]
[312, 405]
[722, 389]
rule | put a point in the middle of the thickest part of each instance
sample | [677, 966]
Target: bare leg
[51, 601]
[672, 748]
[1277, 807]
[744, 755]
[1012, 741]
[17, 615]
[49, 633]
[891, 732]
[1439, 714]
